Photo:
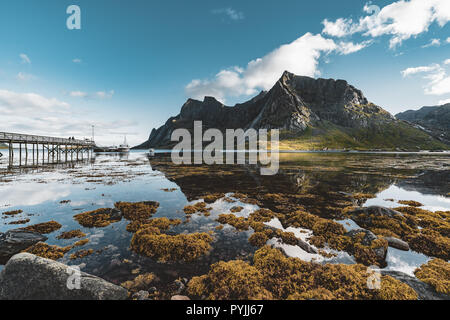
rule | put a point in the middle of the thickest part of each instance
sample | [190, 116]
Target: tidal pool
[319, 182]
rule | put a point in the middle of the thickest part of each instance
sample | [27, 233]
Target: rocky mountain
[311, 114]
[435, 120]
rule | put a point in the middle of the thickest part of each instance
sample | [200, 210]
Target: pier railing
[6, 137]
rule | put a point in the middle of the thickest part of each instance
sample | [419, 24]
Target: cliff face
[435, 120]
[294, 105]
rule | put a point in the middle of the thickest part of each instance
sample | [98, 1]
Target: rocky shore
[29, 277]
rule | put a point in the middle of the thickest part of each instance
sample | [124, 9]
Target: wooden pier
[54, 150]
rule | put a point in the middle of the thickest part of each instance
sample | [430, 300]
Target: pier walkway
[45, 148]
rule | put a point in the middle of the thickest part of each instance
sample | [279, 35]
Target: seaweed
[137, 210]
[236, 209]
[436, 273]
[141, 282]
[12, 213]
[185, 247]
[411, 203]
[71, 234]
[44, 250]
[24, 221]
[81, 254]
[160, 223]
[274, 276]
[258, 239]
[198, 207]
[240, 223]
[80, 243]
[97, 218]
[44, 228]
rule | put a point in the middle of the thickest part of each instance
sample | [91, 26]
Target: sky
[132, 64]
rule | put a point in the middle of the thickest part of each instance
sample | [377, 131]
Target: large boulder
[14, 241]
[29, 277]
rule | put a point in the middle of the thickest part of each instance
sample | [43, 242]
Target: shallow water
[105, 179]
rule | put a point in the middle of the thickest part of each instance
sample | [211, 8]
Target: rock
[397, 243]
[423, 290]
[141, 295]
[179, 285]
[376, 211]
[14, 241]
[380, 251]
[29, 277]
[178, 297]
[306, 246]
[369, 236]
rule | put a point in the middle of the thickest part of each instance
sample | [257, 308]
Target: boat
[124, 147]
[151, 152]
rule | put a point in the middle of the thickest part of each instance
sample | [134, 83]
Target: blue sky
[134, 63]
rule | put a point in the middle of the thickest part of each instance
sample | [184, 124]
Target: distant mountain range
[310, 113]
[435, 120]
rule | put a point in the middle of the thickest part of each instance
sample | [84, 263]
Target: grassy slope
[386, 137]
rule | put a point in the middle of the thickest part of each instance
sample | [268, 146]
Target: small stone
[397, 243]
[141, 295]
[179, 297]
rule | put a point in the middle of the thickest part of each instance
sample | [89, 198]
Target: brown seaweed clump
[274, 276]
[212, 197]
[159, 223]
[436, 273]
[258, 239]
[151, 242]
[81, 243]
[141, 282]
[240, 223]
[231, 280]
[410, 203]
[44, 250]
[97, 218]
[72, 234]
[430, 243]
[81, 254]
[12, 213]
[24, 221]
[363, 196]
[44, 228]
[236, 209]
[137, 210]
[198, 207]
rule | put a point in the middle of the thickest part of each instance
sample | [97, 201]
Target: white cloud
[340, 28]
[401, 20]
[448, 40]
[22, 76]
[24, 58]
[438, 82]
[350, 47]
[33, 113]
[423, 69]
[13, 102]
[95, 95]
[230, 12]
[447, 61]
[432, 43]
[77, 60]
[300, 57]
[442, 102]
